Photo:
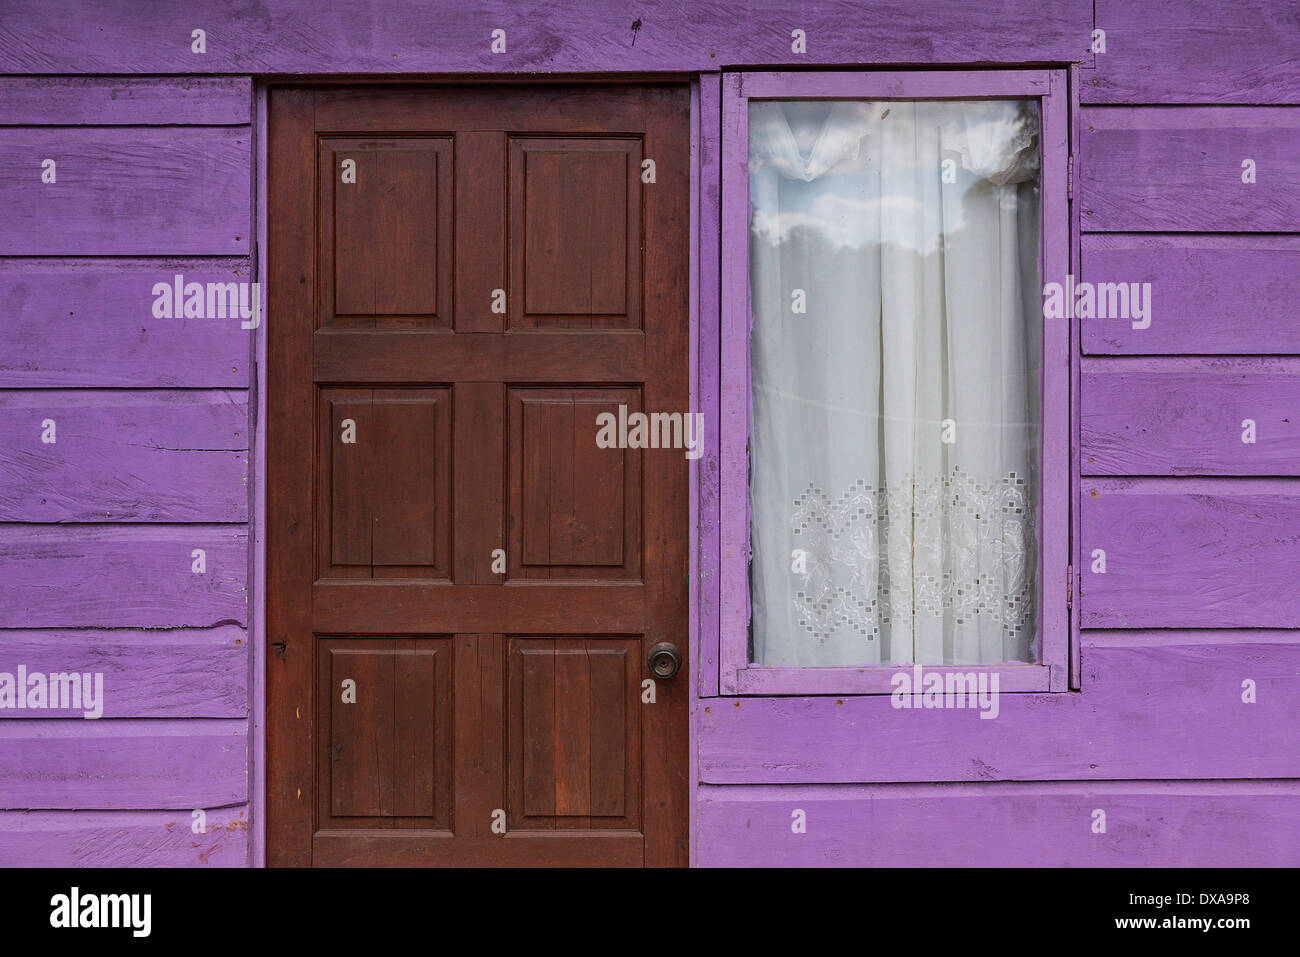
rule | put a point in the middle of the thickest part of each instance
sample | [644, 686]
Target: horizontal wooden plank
[375, 606]
[871, 680]
[130, 576]
[1189, 417]
[150, 764]
[1171, 168]
[121, 101]
[91, 323]
[1196, 51]
[122, 456]
[1195, 553]
[1148, 824]
[1209, 295]
[175, 673]
[410, 848]
[424, 357]
[126, 191]
[1153, 705]
[124, 838]
[416, 36]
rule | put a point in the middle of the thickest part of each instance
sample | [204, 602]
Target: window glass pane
[897, 311]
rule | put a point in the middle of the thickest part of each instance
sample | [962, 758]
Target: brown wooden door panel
[574, 742]
[576, 507]
[384, 458]
[462, 585]
[385, 713]
[575, 232]
[386, 232]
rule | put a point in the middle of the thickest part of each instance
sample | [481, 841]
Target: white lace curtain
[894, 363]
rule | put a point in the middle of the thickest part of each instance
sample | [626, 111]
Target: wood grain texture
[386, 754]
[66, 322]
[576, 508]
[385, 499]
[411, 36]
[1185, 417]
[123, 765]
[174, 673]
[1201, 553]
[424, 357]
[124, 838]
[121, 101]
[123, 456]
[575, 208]
[1210, 295]
[574, 734]
[1196, 51]
[705, 478]
[290, 662]
[1148, 824]
[137, 576]
[1167, 168]
[126, 191]
[1160, 704]
[386, 234]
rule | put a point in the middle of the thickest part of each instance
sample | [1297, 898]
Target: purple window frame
[736, 674]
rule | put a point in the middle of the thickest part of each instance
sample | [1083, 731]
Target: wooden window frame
[737, 675]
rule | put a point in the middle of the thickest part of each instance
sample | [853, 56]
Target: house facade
[614, 433]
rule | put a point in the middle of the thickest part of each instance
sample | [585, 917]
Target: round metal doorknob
[664, 660]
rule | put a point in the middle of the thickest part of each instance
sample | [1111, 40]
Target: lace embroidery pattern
[951, 548]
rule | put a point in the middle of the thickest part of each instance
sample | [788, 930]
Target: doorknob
[664, 660]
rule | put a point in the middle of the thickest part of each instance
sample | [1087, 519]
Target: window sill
[1012, 678]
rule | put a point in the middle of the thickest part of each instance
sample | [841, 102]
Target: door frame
[704, 232]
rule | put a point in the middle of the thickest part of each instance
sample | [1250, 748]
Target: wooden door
[462, 586]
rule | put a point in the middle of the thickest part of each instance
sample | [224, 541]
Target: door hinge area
[1069, 586]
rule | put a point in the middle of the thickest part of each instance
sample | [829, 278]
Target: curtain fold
[894, 370]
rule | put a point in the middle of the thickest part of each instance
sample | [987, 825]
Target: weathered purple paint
[103, 101]
[122, 576]
[1158, 704]
[707, 528]
[67, 763]
[1210, 295]
[124, 838]
[576, 36]
[164, 167]
[1191, 417]
[1164, 168]
[1076, 232]
[1196, 51]
[1148, 824]
[79, 322]
[162, 673]
[174, 456]
[184, 191]
[1190, 553]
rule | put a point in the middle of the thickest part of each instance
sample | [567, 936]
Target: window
[904, 478]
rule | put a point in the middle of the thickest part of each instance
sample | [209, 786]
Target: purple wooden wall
[153, 423]
[157, 173]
